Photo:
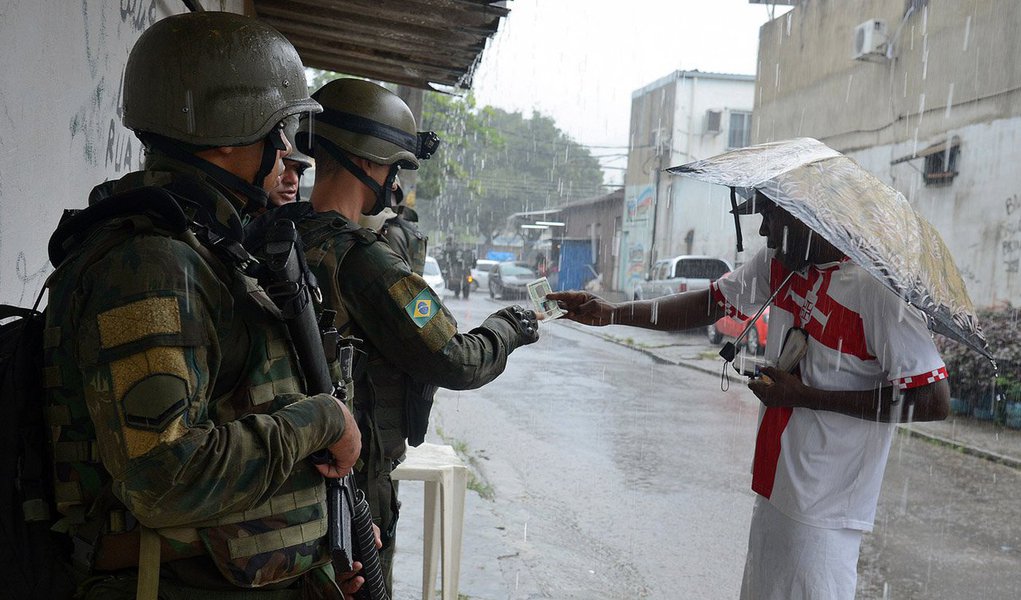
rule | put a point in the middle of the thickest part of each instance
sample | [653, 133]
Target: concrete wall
[701, 223]
[688, 207]
[60, 132]
[953, 73]
[694, 96]
[652, 117]
[668, 128]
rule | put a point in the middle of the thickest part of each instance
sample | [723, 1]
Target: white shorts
[788, 560]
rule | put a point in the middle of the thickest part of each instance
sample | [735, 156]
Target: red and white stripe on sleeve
[913, 381]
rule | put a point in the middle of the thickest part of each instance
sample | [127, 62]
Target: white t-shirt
[820, 467]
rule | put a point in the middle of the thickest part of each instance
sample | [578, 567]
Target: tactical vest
[382, 391]
[408, 241]
[276, 541]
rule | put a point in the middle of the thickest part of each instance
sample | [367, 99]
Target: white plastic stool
[445, 478]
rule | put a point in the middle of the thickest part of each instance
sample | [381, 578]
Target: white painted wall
[979, 214]
[703, 209]
[688, 205]
[61, 63]
[695, 96]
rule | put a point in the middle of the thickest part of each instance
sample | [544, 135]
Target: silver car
[509, 279]
[480, 273]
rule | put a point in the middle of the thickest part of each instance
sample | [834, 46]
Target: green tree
[494, 163]
[460, 126]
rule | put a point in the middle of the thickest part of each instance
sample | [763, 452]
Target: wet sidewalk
[979, 438]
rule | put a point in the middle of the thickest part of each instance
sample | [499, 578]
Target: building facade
[685, 116]
[595, 225]
[918, 93]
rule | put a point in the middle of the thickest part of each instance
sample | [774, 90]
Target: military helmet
[366, 120]
[213, 79]
[290, 129]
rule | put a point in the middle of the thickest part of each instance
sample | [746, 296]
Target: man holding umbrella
[826, 424]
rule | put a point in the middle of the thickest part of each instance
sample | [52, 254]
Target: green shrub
[972, 377]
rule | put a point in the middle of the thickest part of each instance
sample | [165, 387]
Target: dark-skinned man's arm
[670, 313]
[888, 405]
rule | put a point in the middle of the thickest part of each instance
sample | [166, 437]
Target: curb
[906, 429]
[937, 440]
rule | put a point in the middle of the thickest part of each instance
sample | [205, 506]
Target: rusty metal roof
[420, 43]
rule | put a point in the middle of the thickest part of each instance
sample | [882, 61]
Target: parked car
[510, 279]
[480, 274]
[681, 274]
[433, 276]
[755, 342]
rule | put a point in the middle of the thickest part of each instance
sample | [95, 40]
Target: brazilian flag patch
[423, 307]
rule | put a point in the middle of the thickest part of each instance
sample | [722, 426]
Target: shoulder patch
[422, 307]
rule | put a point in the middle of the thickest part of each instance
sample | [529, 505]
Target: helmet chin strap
[274, 143]
[384, 197]
[255, 196]
[383, 192]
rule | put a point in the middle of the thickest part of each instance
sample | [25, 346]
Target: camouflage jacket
[406, 239]
[409, 337]
[175, 398]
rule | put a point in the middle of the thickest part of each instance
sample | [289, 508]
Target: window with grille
[941, 167]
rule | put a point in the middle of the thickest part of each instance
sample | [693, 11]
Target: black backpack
[33, 559]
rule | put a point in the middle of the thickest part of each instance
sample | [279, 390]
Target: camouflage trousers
[315, 585]
[124, 587]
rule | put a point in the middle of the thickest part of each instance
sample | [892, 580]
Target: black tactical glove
[524, 323]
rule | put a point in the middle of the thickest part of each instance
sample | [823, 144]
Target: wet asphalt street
[599, 473]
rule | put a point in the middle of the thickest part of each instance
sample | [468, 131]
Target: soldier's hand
[344, 451]
[350, 582]
[584, 308]
[524, 321]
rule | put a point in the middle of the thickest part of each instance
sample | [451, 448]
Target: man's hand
[585, 308]
[524, 321]
[778, 388]
[344, 451]
[350, 582]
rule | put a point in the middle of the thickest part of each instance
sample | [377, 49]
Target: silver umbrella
[869, 221]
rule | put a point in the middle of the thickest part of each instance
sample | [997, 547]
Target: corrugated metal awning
[929, 150]
[419, 43]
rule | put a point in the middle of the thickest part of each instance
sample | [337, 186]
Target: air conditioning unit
[870, 40]
[713, 121]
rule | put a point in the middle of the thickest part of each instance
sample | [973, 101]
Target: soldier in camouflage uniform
[177, 409]
[295, 165]
[399, 227]
[364, 135]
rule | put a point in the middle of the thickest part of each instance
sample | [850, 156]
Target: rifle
[290, 284]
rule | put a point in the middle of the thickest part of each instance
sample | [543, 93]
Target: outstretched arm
[670, 313]
[924, 403]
